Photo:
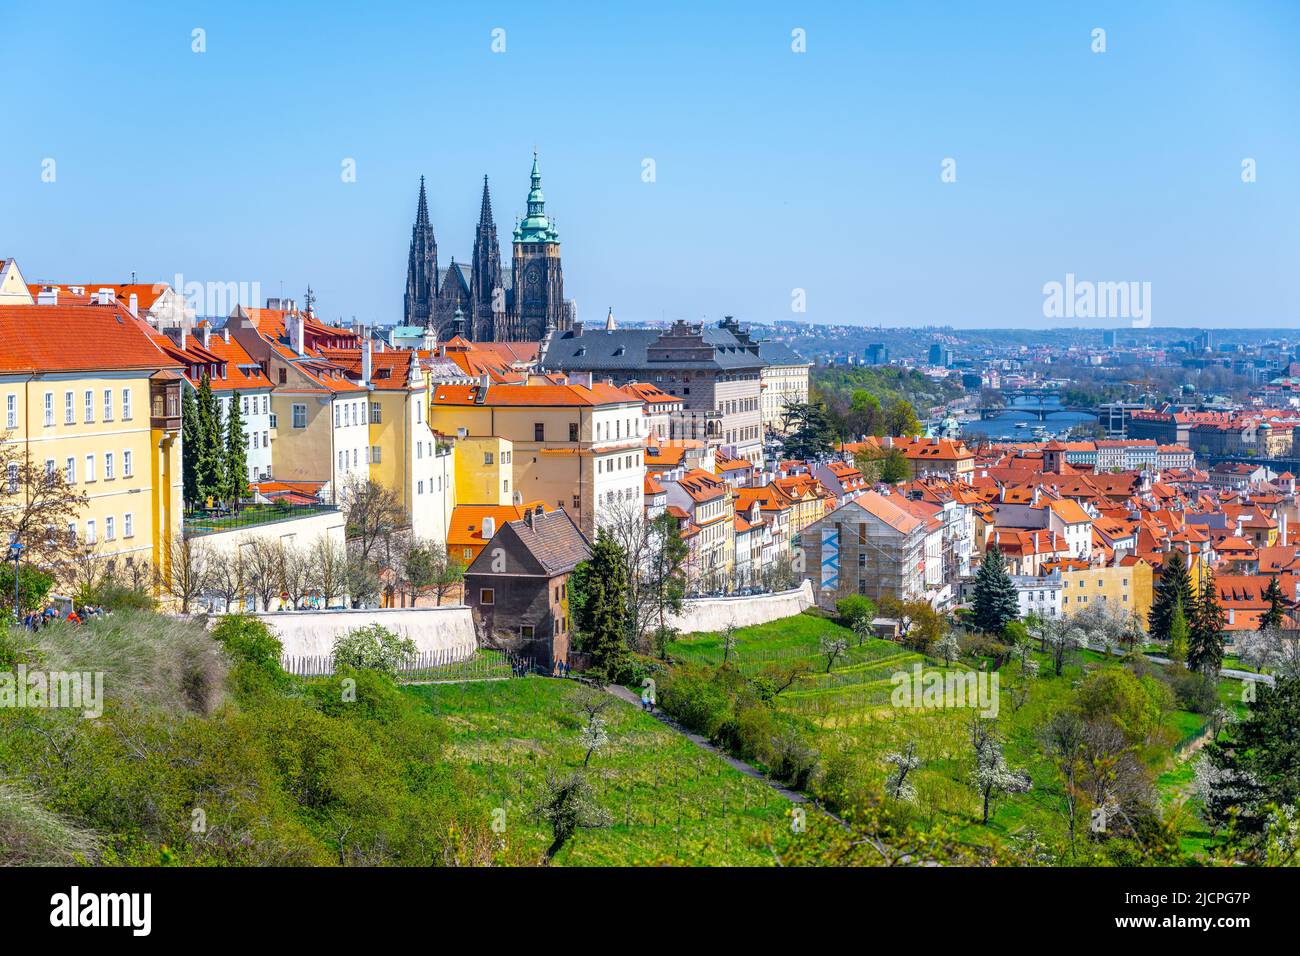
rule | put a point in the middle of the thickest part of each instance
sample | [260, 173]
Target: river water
[1002, 427]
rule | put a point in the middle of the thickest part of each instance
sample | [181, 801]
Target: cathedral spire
[422, 210]
[485, 208]
[421, 266]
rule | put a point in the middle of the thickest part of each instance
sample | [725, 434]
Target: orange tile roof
[701, 485]
[390, 370]
[651, 394]
[56, 338]
[891, 514]
[146, 294]
[466, 527]
[534, 395]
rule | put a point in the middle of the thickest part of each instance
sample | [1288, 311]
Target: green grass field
[850, 709]
[670, 802]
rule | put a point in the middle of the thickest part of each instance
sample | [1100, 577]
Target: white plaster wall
[311, 633]
[301, 532]
[713, 614]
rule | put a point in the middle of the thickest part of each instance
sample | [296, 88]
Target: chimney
[207, 335]
[105, 297]
[184, 336]
[296, 333]
[48, 296]
[367, 363]
[133, 304]
[225, 334]
[528, 517]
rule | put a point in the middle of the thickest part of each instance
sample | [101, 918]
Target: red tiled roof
[48, 338]
[538, 395]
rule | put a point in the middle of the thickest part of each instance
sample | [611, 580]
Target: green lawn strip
[669, 801]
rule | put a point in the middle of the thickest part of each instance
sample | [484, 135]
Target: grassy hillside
[849, 718]
[669, 801]
[208, 754]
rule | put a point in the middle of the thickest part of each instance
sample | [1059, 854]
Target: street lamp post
[15, 555]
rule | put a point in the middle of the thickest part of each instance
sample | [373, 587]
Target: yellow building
[485, 471]
[1126, 587]
[574, 447]
[86, 393]
[404, 454]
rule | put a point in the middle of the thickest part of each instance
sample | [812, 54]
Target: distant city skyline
[696, 164]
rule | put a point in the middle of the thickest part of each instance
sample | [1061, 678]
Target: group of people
[561, 669]
[35, 620]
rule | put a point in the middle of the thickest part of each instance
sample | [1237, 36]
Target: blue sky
[774, 170]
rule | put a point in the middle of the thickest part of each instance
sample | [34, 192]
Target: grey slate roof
[777, 353]
[465, 268]
[554, 540]
[598, 349]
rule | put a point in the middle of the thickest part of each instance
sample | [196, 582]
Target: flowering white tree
[833, 648]
[947, 648]
[903, 762]
[1270, 648]
[991, 776]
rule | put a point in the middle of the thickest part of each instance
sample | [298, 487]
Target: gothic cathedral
[482, 306]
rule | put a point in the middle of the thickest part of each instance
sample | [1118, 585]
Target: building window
[70, 471]
[375, 456]
[108, 465]
[126, 404]
[12, 477]
[88, 401]
[299, 416]
[49, 408]
[90, 531]
[487, 457]
[126, 464]
[108, 404]
[376, 417]
[109, 531]
[419, 489]
[526, 631]
[486, 596]
[11, 411]
[573, 431]
[539, 431]
[90, 468]
[128, 525]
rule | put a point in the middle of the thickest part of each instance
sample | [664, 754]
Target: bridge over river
[1001, 421]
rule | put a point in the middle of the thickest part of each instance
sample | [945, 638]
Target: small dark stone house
[518, 586]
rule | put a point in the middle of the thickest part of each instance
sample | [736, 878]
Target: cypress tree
[236, 459]
[189, 446]
[1205, 641]
[208, 453]
[1276, 613]
[1178, 634]
[602, 616]
[1175, 587]
[995, 603]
